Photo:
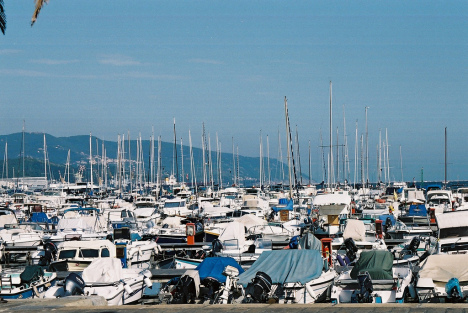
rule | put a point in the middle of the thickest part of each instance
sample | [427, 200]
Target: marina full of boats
[172, 244]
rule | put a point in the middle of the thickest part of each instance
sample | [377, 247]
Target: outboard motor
[212, 285]
[216, 246]
[414, 244]
[388, 224]
[199, 254]
[50, 252]
[186, 291]
[453, 290]
[73, 285]
[364, 294]
[259, 288]
[351, 249]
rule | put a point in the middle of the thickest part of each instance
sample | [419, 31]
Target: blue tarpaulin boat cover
[417, 210]
[214, 267]
[39, 217]
[286, 266]
[288, 207]
[384, 217]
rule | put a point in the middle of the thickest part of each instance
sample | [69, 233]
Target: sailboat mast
[367, 150]
[233, 162]
[210, 168]
[182, 159]
[91, 159]
[401, 165]
[45, 161]
[175, 153]
[445, 152]
[288, 146]
[261, 157]
[23, 150]
[355, 155]
[238, 169]
[6, 158]
[268, 162]
[310, 173]
[298, 154]
[68, 167]
[331, 172]
[388, 159]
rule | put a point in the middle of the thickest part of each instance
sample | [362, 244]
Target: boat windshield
[67, 254]
[453, 232]
[437, 201]
[174, 204]
[89, 253]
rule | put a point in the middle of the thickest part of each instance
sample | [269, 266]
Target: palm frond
[2, 18]
[39, 5]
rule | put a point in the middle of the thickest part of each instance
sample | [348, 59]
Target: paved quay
[98, 305]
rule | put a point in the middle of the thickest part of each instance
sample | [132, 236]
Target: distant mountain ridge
[58, 147]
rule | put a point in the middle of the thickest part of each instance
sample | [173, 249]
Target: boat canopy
[286, 266]
[250, 220]
[284, 205]
[443, 267]
[452, 219]
[233, 236]
[417, 210]
[378, 263]
[214, 267]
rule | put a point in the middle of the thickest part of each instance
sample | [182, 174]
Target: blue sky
[115, 66]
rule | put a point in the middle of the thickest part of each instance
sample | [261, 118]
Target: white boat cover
[332, 198]
[355, 229]
[144, 212]
[76, 223]
[443, 267]
[286, 266]
[452, 219]
[172, 221]
[250, 220]
[103, 270]
[7, 219]
[233, 230]
[88, 244]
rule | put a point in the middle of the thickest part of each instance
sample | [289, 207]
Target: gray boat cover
[286, 266]
[378, 263]
[443, 267]
[309, 241]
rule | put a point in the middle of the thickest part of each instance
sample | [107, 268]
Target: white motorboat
[373, 279]
[332, 207]
[32, 282]
[105, 277]
[452, 232]
[77, 255]
[443, 278]
[287, 276]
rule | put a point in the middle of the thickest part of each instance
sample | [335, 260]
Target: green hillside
[58, 147]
